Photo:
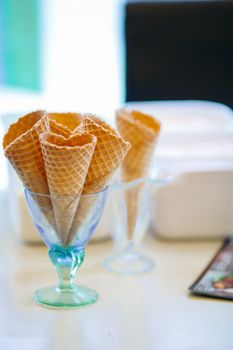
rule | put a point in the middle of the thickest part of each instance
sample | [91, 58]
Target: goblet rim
[162, 176]
[26, 189]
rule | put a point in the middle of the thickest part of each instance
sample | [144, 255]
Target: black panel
[179, 50]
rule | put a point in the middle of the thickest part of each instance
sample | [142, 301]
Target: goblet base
[75, 297]
[128, 263]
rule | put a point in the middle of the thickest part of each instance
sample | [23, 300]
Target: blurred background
[94, 56]
[61, 54]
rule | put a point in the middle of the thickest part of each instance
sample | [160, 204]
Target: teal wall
[20, 43]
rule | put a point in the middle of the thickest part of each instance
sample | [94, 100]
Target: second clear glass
[130, 204]
[131, 216]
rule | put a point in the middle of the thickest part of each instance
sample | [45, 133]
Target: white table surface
[150, 311]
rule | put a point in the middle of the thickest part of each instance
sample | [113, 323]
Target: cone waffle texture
[101, 123]
[66, 163]
[59, 129]
[22, 148]
[64, 123]
[142, 131]
[109, 152]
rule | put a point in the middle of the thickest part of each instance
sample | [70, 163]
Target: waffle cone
[59, 129]
[109, 151]
[142, 131]
[22, 148]
[66, 163]
[98, 121]
[64, 123]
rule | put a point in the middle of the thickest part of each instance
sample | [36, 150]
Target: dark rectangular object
[179, 50]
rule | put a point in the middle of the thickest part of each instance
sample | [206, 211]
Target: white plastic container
[199, 202]
[195, 205]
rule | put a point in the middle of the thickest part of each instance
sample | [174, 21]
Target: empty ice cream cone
[66, 164]
[142, 131]
[22, 148]
[64, 123]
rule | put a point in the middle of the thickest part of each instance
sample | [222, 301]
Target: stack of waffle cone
[22, 148]
[142, 131]
[78, 157]
[66, 162]
[110, 150]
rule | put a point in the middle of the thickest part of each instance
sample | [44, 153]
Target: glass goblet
[130, 203]
[131, 215]
[66, 223]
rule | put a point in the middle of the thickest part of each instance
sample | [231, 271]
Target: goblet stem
[68, 295]
[130, 246]
[65, 277]
[67, 260]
